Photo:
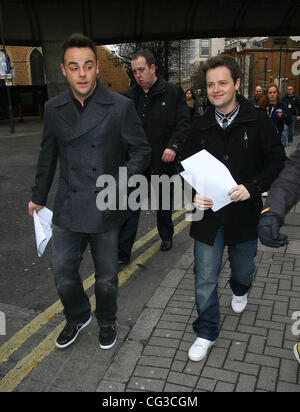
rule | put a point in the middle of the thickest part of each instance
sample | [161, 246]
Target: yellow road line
[128, 271]
[18, 339]
[141, 242]
[16, 375]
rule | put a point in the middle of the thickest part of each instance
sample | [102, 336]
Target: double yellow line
[16, 375]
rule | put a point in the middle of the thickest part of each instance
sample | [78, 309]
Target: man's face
[144, 75]
[221, 89]
[272, 95]
[258, 92]
[290, 90]
[81, 69]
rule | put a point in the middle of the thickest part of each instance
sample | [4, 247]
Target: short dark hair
[224, 60]
[147, 54]
[78, 40]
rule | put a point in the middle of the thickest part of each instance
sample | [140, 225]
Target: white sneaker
[239, 303]
[297, 351]
[264, 194]
[199, 349]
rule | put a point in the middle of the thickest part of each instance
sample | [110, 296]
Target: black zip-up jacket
[167, 122]
[293, 103]
[252, 151]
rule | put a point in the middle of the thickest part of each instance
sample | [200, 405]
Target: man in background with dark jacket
[293, 103]
[245, 140]
[164, 113]
[258, 93]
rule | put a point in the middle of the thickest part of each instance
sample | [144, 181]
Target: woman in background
[192, 103]
[276, 109]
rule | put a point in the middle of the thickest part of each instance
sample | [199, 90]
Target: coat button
[93, 146]
[225, 157]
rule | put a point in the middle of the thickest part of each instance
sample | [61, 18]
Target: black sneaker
[69, 333]
[107, 337]
[166, 245]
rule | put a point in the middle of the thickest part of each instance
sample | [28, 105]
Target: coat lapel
[95, 112]
[93, 115]
[66, 109]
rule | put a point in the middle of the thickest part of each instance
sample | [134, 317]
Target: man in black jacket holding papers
[244, 139]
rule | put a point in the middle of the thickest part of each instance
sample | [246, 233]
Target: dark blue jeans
[67, 249]
[208, 262]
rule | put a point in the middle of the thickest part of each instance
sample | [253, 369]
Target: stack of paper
[209, 177]
[42, 226]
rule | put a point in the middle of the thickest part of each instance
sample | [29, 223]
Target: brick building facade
[266, 60]
[28, 65]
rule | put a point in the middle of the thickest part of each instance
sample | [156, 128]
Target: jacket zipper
[246, 140]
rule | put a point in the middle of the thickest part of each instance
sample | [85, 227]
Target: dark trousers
[164, 221]
[67, 249]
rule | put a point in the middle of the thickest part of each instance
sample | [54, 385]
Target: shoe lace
[200, 343]
[240, 299]
[106, 330]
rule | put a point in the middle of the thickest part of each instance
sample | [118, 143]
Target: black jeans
[165, 225]
[67, 249]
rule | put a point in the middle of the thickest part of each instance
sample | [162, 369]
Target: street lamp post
[281, 41]
[266, 69]
[10, 109]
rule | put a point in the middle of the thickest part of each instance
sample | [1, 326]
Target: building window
[37, 68]
[204, 47]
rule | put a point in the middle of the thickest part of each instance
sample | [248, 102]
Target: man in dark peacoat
[92, 132]
[245, 140]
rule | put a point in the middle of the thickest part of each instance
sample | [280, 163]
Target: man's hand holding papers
[202, 202]
[211, 179]
[239, 193]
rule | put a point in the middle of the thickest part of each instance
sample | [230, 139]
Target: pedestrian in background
[277, 110]
[91, 131]
[293, 104]
[258, 93]
[244, 139]
[164, 113]
[282, 196]
[192, 103]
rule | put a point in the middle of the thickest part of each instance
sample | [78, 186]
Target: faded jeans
[208, 262]
[67, 249]
[288, 131]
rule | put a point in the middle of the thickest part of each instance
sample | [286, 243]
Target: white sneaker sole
[108, 346]
[199, 358]
[296, 353]
[75, 337]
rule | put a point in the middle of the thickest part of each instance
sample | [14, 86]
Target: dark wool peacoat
[252, 151]
[106, 136]
[167, 122]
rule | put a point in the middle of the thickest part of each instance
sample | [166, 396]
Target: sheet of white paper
[209, 177]
[42, 226]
